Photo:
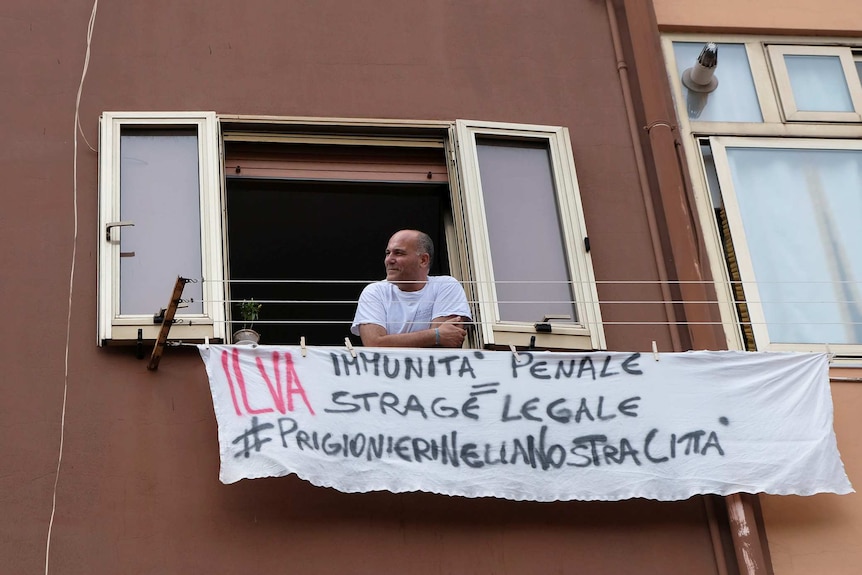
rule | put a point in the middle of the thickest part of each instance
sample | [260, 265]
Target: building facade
[267, 151]
[786, 67]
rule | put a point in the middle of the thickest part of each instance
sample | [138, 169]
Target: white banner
[537, 426]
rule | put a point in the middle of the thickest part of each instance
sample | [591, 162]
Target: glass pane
[818, 83]
[530, 267]
[160, 193]
[801, 210]
[859, 69]
[735, 99]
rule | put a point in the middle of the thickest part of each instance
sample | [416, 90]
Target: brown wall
[137, 490]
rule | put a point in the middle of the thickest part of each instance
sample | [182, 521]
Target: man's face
[404, 264]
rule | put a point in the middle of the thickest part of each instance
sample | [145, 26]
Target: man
[409, 308]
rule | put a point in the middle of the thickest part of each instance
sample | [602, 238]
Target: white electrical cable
[90, 26]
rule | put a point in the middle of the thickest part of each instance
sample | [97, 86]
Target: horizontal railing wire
[527, 282]
[479, 303]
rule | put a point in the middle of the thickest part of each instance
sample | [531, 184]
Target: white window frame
[759, 326]
[773, 125]
[114, 327]
[785, 89]
[466, 228]
[763, 86]
[587, 332]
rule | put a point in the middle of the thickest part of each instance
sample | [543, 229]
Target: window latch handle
[110, 225]
[544, 326]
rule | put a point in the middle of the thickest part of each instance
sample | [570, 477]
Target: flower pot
[245, 337]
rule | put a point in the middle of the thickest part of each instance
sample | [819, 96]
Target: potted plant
[249, 311]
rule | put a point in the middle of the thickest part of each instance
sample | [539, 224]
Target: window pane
[801, 210]
[818, 83]
[735, 99]
[524, 230]
[160, 193]
[859, 69]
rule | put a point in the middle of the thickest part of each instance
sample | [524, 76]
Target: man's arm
[445, 331]
[451, 301]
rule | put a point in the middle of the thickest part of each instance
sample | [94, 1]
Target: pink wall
[821, 534]
[820, 17]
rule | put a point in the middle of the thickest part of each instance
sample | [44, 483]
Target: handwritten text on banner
[536, 426]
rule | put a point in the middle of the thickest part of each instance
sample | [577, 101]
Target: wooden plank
[167, 321]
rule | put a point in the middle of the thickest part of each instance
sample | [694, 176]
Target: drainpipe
[683, 256]
[655, 238]
[673, 198]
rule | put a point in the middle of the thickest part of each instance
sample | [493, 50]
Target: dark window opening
[330, 235]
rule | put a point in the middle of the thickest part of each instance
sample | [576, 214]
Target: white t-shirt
[383, 303]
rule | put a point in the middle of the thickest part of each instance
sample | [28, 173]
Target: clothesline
[545, 282]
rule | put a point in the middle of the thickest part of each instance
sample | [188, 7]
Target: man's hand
[452, 333]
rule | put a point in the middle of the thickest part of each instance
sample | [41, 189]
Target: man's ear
[425, 260]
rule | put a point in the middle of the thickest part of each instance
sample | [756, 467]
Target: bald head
[408, 259]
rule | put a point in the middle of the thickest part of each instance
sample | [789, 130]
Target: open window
[527, 240]
[159, 219]
[309, 211]
[296, 214]
[778, 194]
[791, 207]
